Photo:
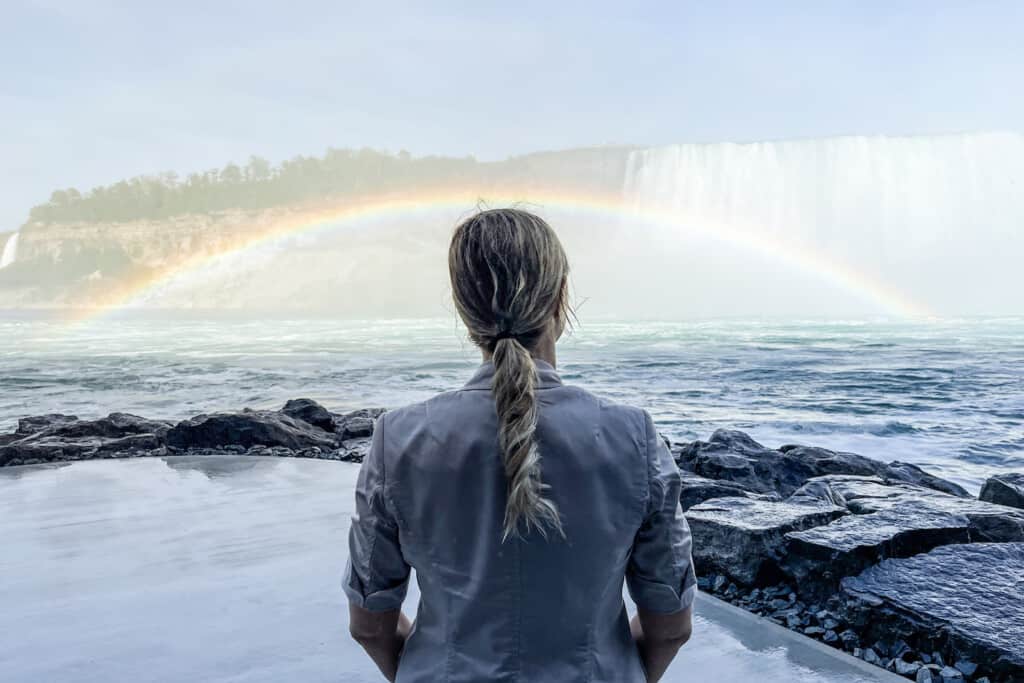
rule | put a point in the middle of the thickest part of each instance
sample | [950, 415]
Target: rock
[51, 438]
[37, 423]
[830, 636]
[986, 522]
[906, 668]
[1004, 489]
[697, 489]
[309, 411]
[889, 520]
[113, 426]
[912, 474]
[960, 599]
[819, 557]
[850, 639]
[735, 457]
[818, 490]
[357, 424]
[744, 538]
[247, 429]
[814, 631]
[928, 673]
[871, 657]
[949, 674]
[966, 668]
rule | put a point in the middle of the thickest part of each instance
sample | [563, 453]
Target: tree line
[257, 184]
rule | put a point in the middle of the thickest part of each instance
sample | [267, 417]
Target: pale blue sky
[95, 91]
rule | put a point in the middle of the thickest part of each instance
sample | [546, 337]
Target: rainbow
[358, 213]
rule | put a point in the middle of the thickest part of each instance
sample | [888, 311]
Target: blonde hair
[509, 278]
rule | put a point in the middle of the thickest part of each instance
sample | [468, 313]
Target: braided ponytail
[509, 280]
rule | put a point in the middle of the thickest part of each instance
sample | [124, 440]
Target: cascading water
[10, 252]
[938, 218]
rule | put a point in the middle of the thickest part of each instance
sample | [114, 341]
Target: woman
[522, 503]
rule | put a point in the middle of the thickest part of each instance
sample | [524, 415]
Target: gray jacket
[431, 495]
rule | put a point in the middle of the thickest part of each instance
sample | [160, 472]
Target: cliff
[80, 262]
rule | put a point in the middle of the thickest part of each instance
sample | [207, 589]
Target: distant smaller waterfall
[10, 253]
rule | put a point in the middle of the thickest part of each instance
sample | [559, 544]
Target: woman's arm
[659, 637]
[381, 634]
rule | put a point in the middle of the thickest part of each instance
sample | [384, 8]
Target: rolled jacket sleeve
[377, 575]
[660, 574]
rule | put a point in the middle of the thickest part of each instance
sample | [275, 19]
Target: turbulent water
[946, 395]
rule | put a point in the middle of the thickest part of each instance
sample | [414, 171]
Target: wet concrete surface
[227, 569]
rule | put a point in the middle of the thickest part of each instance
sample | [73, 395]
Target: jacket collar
[547, 376]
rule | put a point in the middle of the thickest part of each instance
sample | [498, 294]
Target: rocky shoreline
[886, 561]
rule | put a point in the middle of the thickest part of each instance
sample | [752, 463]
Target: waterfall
[938, 218]
[10, 252]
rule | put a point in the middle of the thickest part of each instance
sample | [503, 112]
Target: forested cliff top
[338, 173]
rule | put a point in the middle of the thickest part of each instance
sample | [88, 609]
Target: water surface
[227, 569]
[948, 395]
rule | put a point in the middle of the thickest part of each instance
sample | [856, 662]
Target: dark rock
[1004, 489]
[906, 668]
[247, 429]
[744, 538]
[949, 674]
[51, 438]
[850, 638]
[733, 456]
[899, 649]
[830, 636]
[871, 657]
[960, 599]
[966, 668]
[357, 424]
[823, 555]
[814, 631]
[697, 489]
[309, 411]
[912, 474]
[929, 673]
[37, 423]
[986, 522]
[889, 520]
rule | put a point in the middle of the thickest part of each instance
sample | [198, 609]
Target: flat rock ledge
[884, 560]
[846, 550]
[964, 600]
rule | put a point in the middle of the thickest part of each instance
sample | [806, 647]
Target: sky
[93, 92]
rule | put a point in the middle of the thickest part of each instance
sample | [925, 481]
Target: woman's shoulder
[611, 413]
[438, 406]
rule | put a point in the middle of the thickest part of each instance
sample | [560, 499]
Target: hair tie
[504, 334]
